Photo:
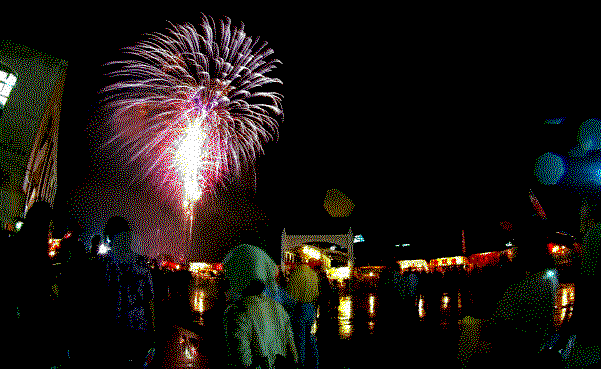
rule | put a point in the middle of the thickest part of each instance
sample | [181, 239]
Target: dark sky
[428, 124]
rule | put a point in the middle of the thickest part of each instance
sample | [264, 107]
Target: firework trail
[188, 106]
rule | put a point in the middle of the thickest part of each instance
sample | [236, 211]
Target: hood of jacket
[246, 263]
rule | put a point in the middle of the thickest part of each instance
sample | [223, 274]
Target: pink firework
[189, 106]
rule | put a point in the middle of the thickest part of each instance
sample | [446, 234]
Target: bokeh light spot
[555, 120]
[549, 168]
[589, 135]
[337, 204]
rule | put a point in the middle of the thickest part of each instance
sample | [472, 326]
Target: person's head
[116, 225]
[118, 235]
[73, 249]
[37, 222]
[532, 253]
[304, 284]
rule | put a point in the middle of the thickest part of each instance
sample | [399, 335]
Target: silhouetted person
[304, 288]
[326, 295]
[586, 311]
[522, 321]
[131, 297]
[76, 291]
[31, 281]
[279, 294]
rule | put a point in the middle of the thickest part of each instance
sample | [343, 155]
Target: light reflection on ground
[345, 328]
[357, 314]
[564, 305]
[203, 297]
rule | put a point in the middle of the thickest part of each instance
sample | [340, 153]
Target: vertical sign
[463, 241]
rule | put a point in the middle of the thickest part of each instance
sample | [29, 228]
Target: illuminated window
[7, 83]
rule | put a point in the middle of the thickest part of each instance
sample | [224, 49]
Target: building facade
[29, 124]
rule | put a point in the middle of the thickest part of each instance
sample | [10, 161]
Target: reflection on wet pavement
[356, 318]
[345, 328]
[564, 305]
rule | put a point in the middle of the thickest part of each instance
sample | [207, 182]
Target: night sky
[429, 124]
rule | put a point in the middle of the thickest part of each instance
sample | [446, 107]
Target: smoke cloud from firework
[189, 108]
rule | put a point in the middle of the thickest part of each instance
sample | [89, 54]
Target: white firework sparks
[189, 102]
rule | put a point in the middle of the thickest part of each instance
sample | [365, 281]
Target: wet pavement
[352, 335]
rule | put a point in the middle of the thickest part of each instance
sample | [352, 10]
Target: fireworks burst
[188, 106]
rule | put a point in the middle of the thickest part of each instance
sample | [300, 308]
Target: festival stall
[414, 265]
[442, 264]
[484, 259]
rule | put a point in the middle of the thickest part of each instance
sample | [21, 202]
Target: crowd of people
[92, 310]
[99, 311]
[86, 310]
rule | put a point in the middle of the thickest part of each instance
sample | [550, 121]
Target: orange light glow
[420, 309]
[445, 302]
[198, 303]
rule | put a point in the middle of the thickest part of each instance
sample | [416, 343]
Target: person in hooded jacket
[258, 331]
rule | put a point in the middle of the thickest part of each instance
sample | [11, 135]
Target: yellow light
[344, 313]
[563, 313]
[445, 302]
[52, 253]
[344, 330]
[339, 273]
[420, 309]
[311, 252]
[198, 267]
[344, 307]
[371, 304]
[198, 303]
[188, 353]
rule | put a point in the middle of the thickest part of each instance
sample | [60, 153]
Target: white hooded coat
[256, 327]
